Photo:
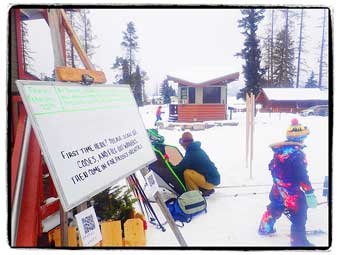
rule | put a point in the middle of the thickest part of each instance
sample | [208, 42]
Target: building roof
[294, 94]
[220, 80]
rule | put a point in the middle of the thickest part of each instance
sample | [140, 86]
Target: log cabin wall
[201, 112]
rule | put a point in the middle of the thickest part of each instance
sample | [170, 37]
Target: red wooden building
[290, 99]
[202, 101]
[32, 194]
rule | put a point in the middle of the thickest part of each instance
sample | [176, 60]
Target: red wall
[201, 112]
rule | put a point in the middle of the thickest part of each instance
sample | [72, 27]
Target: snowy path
[233, 220]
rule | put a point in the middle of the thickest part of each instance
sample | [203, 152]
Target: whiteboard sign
[91, 136]
[88, 227]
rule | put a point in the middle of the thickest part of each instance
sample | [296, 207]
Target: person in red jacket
[158, 114]
[291, 193]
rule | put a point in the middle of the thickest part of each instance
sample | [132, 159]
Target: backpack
[186, 206]
[154, 136]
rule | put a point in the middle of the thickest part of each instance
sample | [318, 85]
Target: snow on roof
[203, 73]
[282, 94]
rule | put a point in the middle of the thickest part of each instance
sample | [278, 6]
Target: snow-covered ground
[234, 213]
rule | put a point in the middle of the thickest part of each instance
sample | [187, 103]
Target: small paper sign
[88, 227]
[152, 183]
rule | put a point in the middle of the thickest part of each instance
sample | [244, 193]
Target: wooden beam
[75, 74]
[75, 41]
[54, 22]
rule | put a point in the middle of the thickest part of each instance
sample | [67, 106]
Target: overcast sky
[171, 41]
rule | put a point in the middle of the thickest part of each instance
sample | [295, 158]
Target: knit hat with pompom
[296, 132]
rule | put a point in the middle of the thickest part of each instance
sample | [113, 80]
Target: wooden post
[75, 41]
[54, 22]
[63, 227]
[247, 129]
[252, 111]
[169, 219]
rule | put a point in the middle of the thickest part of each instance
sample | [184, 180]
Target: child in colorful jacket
[292, 192]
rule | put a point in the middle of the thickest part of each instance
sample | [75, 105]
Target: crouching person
[197, 170]
[292, 192]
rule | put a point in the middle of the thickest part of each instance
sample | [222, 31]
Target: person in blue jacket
[196, 168]
[291, 193]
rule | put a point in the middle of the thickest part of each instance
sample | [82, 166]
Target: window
[212, 95]
[184, 95]
[191, 95]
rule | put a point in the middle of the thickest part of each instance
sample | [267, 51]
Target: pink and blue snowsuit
[290, 181]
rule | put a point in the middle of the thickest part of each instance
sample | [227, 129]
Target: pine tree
[299, 50]
[311, 83]
[283, 58]
[166, 91]
[127, 71]
[323, 65]
[302, 65]
[138, 86]
[267, 51]
[81, 24]
[87, 37]
[251, 52]
[115, 203]
[121, 68]
[130, 45]
[72, 57]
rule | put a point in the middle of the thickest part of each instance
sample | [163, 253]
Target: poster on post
[90, 136]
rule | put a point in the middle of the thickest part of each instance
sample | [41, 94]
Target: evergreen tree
[299, 50]
[81, 24]
[87, 37]
[267, 51]
[115, 203]
[283, 58]
[166, 91]
[323, 65]
[72, 57]
[130, 45]
[138, 86]
[121, 69]
[312, 82]
[251, 52]
[302, 65]
[127, 71]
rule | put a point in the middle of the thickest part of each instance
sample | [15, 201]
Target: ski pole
[146, 200]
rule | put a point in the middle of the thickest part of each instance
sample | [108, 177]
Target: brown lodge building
[290, 99]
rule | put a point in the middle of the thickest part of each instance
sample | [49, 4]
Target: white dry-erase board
[91, 136]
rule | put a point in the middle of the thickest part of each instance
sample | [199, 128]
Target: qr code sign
[88, 223]
[151, 180]
[88, 226]
[153, 185]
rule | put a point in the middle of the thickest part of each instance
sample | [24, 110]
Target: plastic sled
[164, 174]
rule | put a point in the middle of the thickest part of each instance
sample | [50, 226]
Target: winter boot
[207, 192]
[300, 241]
[267, 224]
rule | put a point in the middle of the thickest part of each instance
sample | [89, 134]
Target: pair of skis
[144, 202]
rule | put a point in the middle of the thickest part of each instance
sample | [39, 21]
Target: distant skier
[158, 114]
[292, 192]
[197, 170]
